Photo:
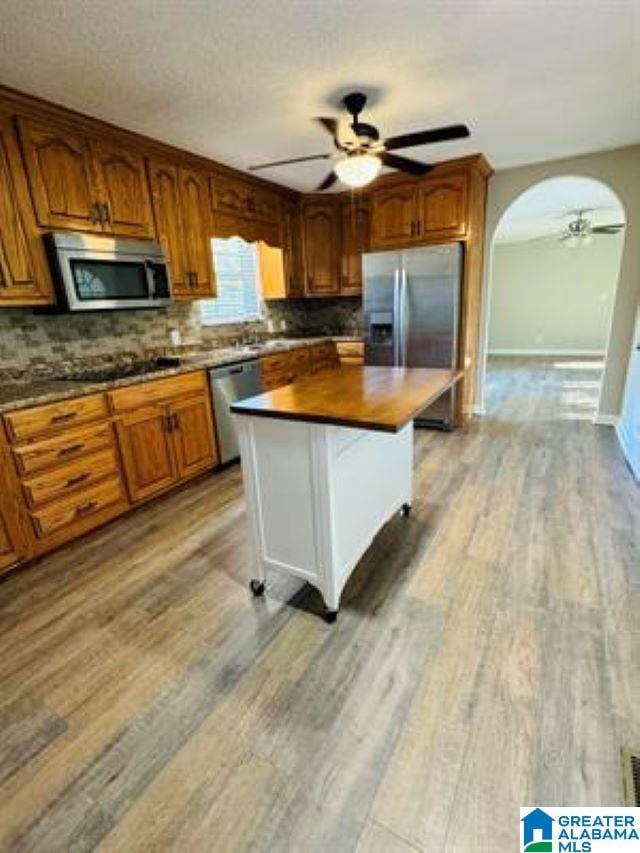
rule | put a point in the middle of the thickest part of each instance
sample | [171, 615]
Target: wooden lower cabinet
[192, 436]
[169, 440]
[145, 447]
[283, 368]
[13, 536]
[9, 555]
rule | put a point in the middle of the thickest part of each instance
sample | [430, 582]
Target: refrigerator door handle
[397, 318]
[403, 317]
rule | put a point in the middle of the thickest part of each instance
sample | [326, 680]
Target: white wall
[620, 170]
[546, 297]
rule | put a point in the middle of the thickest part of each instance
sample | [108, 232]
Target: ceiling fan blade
[393, 161]
[608, 229]
[329, 181]
[292, 160]
[341, 131]
[426, 137]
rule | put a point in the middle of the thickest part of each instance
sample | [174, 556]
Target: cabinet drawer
[300, 361]
[156, 390]
[350, 348]
[65, 480]
[324, 356]
[277, 380]
[75, 509]
[275, 363]
[72, 444]
[50, 419]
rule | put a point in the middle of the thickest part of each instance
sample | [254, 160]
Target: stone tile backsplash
[43, 343]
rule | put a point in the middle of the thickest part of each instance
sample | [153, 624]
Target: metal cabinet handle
[74, 481]
[83, 509]
[72, 448]
[67, 416]
[94, 213]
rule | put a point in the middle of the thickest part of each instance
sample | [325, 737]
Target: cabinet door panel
[195, 223]
[292, 249]
[165, 189]
[145, 444]
[123, 188]
[355, 241]
[393, 215]
[443, 207]
[192, 435]
[8, 554]
[24, 275]
[321, 241]
[60, 174]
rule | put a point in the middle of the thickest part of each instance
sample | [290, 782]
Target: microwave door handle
[151, 279]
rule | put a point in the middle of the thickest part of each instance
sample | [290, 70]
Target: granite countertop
[19, 395]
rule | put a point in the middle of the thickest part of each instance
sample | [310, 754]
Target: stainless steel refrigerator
[411, 314]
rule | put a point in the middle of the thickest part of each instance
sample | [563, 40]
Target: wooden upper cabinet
[393, 216]
[61, 176]
[355, 241]
[192, 435]
[24, 274]
[442, 207]
[321, 245]
[165, 191]
[195, 226]
[243, 209]
[292, 249]
[83, 184]
[182, 221]
[425, 211]
[123, 190]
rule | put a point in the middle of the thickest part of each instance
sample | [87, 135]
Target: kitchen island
[326, 461]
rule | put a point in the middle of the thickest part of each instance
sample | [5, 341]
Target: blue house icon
[537, 820]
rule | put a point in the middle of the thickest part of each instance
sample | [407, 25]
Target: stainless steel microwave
[95, 273]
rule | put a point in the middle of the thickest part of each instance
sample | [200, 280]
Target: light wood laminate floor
[487, 655]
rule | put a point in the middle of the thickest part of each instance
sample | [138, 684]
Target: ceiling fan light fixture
[358, 170]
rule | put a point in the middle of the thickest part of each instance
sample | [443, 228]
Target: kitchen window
[237, 268]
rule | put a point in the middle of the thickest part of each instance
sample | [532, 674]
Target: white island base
[317, 494]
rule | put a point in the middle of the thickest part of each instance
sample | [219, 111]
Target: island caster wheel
[406, 510]
[330, 616]
[257, 588]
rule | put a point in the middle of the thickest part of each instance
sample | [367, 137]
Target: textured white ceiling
[547, 207]
[239, 80]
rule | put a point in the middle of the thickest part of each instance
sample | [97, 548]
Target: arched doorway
[552, 276]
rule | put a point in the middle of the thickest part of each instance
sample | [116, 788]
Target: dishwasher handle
[234, 369]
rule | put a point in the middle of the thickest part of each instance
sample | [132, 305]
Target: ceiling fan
[361, 151]
[579, 231]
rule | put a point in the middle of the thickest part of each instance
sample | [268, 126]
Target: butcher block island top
[371, 398]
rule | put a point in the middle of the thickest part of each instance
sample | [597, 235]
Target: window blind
[237, 275]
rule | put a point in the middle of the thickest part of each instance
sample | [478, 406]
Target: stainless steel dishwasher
[228, 384]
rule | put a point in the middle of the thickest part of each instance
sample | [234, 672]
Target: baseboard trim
[624, 441]
[603, 419]
[592, 353]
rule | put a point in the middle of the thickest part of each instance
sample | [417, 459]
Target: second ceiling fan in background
[361, 151]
